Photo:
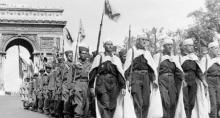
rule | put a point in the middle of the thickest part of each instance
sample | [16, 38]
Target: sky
[140, 14]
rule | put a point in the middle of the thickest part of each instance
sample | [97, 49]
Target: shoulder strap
[160, 57]
[100, 61]
[132, 58]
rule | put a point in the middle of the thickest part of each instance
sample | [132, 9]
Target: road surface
[11, 107]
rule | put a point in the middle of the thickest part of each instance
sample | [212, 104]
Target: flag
[68, 35]
[23, 66]
[82, 32]
[113, 15]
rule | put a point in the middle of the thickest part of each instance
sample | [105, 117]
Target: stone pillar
[2, 68]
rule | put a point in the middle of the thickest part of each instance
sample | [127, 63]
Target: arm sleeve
[178, 74]
[121, 80]
[151, 73]
[199, 73]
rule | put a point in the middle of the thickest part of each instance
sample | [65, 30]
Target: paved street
[11, 107]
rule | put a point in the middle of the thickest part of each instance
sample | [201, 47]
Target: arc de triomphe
[37, 29]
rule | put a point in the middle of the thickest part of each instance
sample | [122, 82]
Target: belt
[82, 80]
[141, 71]
[166, 74]
[213, 75]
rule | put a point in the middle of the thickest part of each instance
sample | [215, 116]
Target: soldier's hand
[127, 83]
[155, 86]
[92, 91]
[123, 91]
[184, 83]
[205, 83]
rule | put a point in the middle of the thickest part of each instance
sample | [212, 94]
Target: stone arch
[23, 41]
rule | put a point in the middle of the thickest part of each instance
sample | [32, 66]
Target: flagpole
[129, 38]
[76, 50]
[100, 31]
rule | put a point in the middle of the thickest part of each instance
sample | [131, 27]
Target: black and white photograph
[109, 58]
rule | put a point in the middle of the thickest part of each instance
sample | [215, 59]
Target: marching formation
[131, 84]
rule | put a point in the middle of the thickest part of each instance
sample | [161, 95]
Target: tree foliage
[206, 24]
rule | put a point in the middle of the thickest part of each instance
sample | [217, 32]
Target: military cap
[42, 70]
[45, 74]
[35, 75]
[67, 52]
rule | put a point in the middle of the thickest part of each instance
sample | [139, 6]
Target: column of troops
[188, 87]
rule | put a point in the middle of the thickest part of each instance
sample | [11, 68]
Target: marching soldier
[24, 92]
[80, 98]
[193, 77]
[140, 71]
[31, 92]
[106, 81]
[57, 107]
[67, 91]
[35, 91]
[40, 90]
[211, 64]
[47, 92]
[170, 73]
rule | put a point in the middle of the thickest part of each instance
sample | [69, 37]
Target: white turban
[142, 36]
[108, 40]
[167, 41]
[213, 44]
[83, 45]
[188, 41]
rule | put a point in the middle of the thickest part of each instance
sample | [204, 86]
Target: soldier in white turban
[106, 80]
[211, 65]
[195, 80]
[169, 78]
[140, 72]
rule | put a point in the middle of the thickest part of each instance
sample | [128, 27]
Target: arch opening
[21, 42]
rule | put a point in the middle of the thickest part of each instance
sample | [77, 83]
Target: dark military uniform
[109, 82]
[140, 78]
[35, 92]
[213, 80]
[192, 72]
[40, 92]
[31, 92]
[67, 88]
[57, 108]
[81, 97]
[47, 92]
[169, 75]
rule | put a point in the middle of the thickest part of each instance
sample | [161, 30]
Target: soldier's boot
[40, 111]
[46, 112]
[67, 116]
[78, 116]
[52, 113]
